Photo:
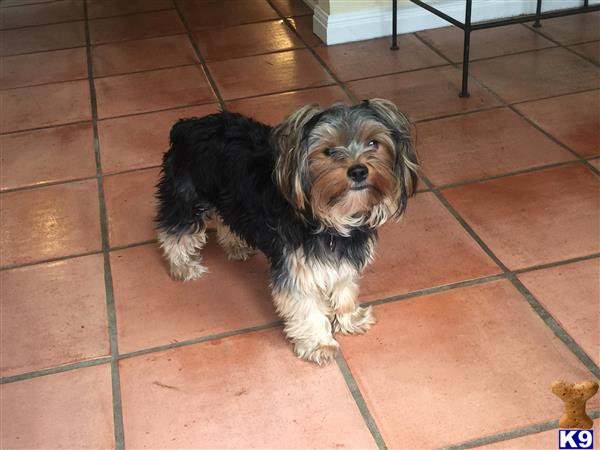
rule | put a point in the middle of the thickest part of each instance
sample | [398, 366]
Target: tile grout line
[512, 108]
[202, 62]
[515, 433]
[361, 404]
[315, 55]
[201, 339]
[108, 281]
[73, 20]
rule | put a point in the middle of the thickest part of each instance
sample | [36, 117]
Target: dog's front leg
[307, 323]
[350, 317]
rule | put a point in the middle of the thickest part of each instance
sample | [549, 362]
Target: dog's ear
[291, 140]
[406, 161]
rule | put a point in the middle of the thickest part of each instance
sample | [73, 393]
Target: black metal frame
[468, 26]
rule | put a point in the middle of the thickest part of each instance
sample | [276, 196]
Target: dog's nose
[358, 172]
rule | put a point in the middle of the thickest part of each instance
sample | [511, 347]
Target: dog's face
[347, 166]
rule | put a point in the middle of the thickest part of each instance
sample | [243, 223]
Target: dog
[309, 193]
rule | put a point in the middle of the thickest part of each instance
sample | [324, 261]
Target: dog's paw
[240, 253]
[188, 272]
[356, 322]
[322, 353]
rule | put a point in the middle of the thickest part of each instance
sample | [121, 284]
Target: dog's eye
[329, 151]
[373, 143]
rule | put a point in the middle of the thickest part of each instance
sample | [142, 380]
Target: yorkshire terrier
[309, 193]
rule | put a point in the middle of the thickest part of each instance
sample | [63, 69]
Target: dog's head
[346, 166]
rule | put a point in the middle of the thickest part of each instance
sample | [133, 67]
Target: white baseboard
[377, 21]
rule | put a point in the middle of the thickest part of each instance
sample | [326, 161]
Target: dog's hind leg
[182, 251]
[234, 246]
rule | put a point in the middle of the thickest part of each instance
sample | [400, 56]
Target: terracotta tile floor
[485, 293]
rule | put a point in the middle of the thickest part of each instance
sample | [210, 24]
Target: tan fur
[235, 247]
[317, 294]
[183, 253]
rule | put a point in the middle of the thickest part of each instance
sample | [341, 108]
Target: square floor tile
[131, 206]
[534, 218]
[49, 222]
[304, 27]
[595, 163]
[108, 8]
[81, 399]
[481, 145]
[53, 314]
[265, 74]
[570, 293]
[427, 248]
[263, 37]
[479, 350]
[135, 142]
[45, 105]
[59, 65]
[135, 26]
[222, 13]
[373, 57]
[151, 91]
[534, 75]
[542, 441]
[425, 93]
[42, 38]
[591, 50]
[154, 309]
[224, 394]
[572, 29]
[135, 56]
[485, 43]
[572, 119]
[272, 109]
[45, 156]
[292, 7]
[44, 13]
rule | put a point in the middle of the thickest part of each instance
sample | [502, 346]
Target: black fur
[226, 162]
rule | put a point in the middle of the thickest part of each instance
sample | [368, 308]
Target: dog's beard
[342, 205]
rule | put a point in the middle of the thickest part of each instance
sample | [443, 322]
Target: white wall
[337, 21]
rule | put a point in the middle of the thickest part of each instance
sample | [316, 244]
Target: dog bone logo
[575, 395]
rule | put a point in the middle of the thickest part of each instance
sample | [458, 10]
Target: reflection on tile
[485, 43]
[44, 156]
[49, 222]
[151, 91]
[264, 37]
[45, 105]
[425, 93]
[272, 109]
[265, 74]
[372, 58]
[134, 56]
